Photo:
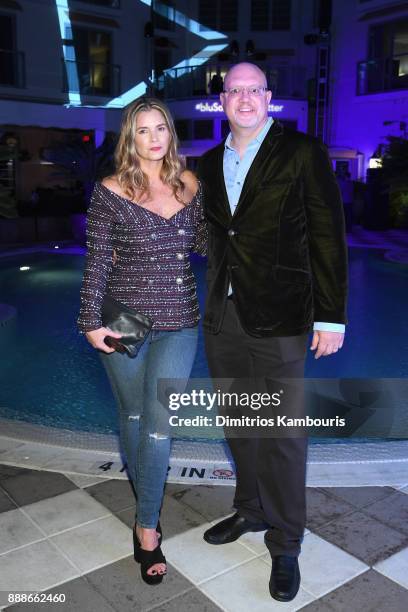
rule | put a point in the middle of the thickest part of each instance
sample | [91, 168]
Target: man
[276, 265]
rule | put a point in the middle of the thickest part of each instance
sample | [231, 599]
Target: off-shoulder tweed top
[152, 273]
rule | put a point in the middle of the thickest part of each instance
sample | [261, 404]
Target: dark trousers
[270, 471]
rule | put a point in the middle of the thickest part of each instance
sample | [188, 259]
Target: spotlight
[24, 268]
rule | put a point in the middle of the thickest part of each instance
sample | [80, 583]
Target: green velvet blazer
[284, 249]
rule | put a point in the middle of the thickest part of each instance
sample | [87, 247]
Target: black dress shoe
[230, 529]
[285, 578]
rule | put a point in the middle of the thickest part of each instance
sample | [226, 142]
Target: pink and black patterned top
[152, 273]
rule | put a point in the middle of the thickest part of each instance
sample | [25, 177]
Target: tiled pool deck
[72, 535]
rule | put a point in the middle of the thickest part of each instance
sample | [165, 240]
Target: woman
[142, 223]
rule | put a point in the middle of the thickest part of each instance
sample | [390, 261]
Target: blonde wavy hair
[129, 174]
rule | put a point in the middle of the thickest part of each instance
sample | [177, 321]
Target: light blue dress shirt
[235, 171]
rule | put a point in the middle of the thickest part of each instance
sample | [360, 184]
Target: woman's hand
[96, 338]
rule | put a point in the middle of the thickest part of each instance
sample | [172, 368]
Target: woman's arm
[98, 264]
[194, 187]
[201, 241]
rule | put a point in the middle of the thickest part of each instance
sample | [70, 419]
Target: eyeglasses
[251, 91]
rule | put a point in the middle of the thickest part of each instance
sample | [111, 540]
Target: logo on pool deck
[223, 473]
[201, 473]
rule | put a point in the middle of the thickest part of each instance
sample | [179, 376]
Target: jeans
[143, 420]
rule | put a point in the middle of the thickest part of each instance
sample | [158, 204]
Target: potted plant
[83, 163]
[395, 174]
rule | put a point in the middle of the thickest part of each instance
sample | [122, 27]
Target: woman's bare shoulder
[190, 180]
[111, 182]
[191, 183]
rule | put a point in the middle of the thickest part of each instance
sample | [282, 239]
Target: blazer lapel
[219, 178]
[269, 147]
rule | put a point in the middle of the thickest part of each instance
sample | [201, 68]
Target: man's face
[245, 109]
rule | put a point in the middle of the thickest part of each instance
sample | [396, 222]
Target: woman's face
[152, 135]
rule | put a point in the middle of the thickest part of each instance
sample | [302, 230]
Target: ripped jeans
[144, 422]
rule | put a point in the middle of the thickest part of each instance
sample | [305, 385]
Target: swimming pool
[49, 375]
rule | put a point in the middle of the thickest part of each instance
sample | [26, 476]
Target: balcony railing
[284, 81]
[385, 74]
[92, 79]
[12, 68]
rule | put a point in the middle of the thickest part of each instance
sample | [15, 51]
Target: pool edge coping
[37, 447]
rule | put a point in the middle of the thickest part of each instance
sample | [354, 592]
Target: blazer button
[231, 232]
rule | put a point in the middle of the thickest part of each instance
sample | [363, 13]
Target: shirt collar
[258, 139]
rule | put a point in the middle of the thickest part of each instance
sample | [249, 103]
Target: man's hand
[326, 343]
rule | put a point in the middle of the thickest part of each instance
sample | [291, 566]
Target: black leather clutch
[134, 326]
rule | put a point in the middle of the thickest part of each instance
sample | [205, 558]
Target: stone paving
[71, 535]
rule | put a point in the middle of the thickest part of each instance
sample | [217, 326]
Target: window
[342, 167]
[183, 128]
[162, 60]
[198, 129]
[7, 67]
[11, 60]
[219, 14]
[400, 38]
[228, 16]
[386, 67]
[207, 13]
[203, 129]
[259, 15]
[93, 51]
[388, 39]
[91, 45]
[281, 14]
[379, 41]
[271, 15]
[315, 16]
[164, 21]
[388, 43]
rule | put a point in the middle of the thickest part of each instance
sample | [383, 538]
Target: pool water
[50, 375]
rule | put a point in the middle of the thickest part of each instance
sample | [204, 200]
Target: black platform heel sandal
[147, 558]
